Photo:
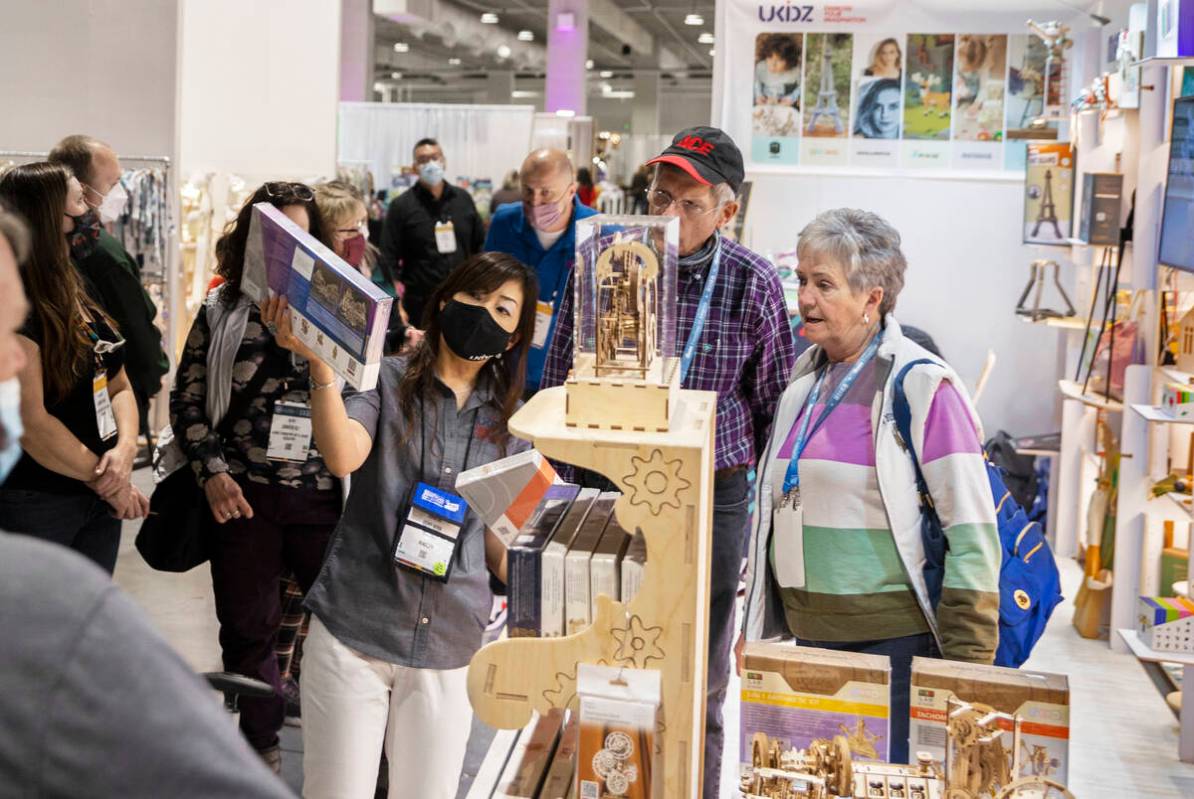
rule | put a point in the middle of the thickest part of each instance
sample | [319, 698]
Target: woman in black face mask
[399, 610]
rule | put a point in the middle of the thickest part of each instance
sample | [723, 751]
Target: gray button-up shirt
[368, 602]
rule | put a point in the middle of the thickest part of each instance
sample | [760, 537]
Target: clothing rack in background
[147, 230]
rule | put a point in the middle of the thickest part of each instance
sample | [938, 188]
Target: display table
[1151, 659]
[667, 483]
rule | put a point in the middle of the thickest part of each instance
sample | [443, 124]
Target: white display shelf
[1061, 322]
[1148, 656]
[1155, 61]
[1154, 414]
[1175, 375]
[1146, 653]
[1180, 501]
[1073, 390]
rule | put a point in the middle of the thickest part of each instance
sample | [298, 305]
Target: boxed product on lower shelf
[794, 695]
[552, 585]
[1166, 623]
[578, 603]
[606, 568]
[1041, 700]
[561, 775]
[526, 770]
[524, 561]
[619, 710]
[633, 565]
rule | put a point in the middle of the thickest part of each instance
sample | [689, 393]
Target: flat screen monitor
[1177, 222]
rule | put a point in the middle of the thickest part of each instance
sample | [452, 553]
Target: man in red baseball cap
[744, 351]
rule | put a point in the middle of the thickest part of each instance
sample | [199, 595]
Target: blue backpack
[1029, 585]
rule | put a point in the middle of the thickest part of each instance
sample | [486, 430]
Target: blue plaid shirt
[745, 352]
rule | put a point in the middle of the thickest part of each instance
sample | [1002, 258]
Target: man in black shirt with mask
[430, 229]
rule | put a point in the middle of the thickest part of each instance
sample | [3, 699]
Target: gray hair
[13, 228]
[865, 246]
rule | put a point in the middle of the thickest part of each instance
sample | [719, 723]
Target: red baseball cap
[707, 154]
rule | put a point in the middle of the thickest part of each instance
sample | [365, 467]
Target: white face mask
[113, 204]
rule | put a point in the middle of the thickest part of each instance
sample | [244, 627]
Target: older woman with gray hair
[836, 556]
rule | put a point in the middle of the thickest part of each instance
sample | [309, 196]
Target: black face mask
[85, 237]
[471, 332]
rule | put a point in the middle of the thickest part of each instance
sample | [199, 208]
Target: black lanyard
[472, 430]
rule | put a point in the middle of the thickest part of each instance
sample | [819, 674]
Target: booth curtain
[479, 141]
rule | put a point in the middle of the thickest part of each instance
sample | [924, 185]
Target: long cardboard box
[578, 602]
[793, 695]
[552, 588]
[605, 575]
[335, 310]
[524, 562]
[1041, 700]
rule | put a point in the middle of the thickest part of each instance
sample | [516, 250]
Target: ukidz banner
[880, 84]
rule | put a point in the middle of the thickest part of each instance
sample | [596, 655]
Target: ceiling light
[503, 51]
[453, 62]
[566, 113]
[396, 75]
[606, 88]
[624, 94]
[589, 64]
[379, 87]
[401, 47]
[694, 19]
[605, 73]
[526, 36]
[523, 94]
[489, 18]
[705, 38]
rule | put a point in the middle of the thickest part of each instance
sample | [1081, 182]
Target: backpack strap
[903, 420]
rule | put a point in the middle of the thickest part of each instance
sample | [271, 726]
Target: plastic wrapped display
[625, 330]
[337, 312]
[618, 716]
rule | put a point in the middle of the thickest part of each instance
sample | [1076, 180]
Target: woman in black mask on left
[399, 610]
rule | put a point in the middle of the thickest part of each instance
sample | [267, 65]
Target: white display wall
[961, 227]
[479, 141]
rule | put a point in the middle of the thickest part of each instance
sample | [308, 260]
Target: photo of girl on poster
[928, 90]
[886, 60]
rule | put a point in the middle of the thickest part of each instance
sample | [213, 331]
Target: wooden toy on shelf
[664, 468]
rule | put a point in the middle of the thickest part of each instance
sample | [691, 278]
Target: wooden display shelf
[667, 484]
[1073, 390]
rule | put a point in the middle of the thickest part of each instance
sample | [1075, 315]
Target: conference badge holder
[429, 531]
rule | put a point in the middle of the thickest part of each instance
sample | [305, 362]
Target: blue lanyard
[792, 477]
[702, 316]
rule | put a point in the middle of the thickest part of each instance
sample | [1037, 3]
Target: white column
[567, 51]
[356, 50]
[644, 118]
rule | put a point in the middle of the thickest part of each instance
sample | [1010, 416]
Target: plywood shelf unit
[666, 479]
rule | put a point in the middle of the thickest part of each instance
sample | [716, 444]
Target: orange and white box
[505, 493]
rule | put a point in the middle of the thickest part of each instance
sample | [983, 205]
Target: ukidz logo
[785, 13]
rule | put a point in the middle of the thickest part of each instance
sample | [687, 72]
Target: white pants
[352, 703]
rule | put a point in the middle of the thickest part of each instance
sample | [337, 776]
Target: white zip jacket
[965, 625]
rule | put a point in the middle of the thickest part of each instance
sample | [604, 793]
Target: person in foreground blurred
[95, 703]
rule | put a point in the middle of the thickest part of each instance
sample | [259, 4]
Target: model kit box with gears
[794, 696]
[1042, 700]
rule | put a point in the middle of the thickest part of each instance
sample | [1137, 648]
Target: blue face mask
[11, 428]
[431, 173]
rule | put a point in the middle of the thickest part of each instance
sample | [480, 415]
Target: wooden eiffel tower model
[1048, 210]
[827, 95]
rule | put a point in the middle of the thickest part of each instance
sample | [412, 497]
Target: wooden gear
[667, 484]
[627, 274]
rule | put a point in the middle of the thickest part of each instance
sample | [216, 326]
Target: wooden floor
[1123, 736]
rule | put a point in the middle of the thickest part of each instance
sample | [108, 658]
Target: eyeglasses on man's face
[660, 201]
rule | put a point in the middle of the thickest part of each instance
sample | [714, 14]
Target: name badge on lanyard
[290, 432]
[787, 539]
[105, 419]
[543, 315]
[445, 238]
[429, 532]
